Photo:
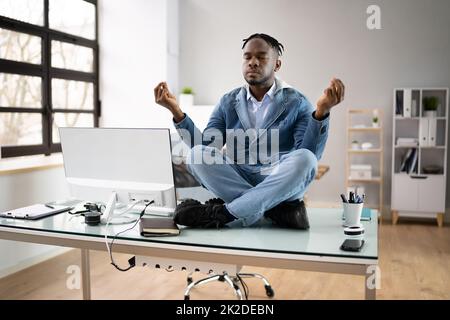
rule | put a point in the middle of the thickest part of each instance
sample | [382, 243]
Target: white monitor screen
[139, 155]
[100, 160]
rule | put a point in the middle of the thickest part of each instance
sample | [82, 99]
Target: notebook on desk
[158, 227]
[34, 212]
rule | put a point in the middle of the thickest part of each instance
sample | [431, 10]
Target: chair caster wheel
[269, 291]
[187, 298]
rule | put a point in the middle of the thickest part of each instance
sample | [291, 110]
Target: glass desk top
[324, 237]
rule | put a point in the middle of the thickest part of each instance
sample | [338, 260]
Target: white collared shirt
[257, 110]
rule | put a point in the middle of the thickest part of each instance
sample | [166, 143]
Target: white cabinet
[431, 193]
[405, 192]
[418, 193]
[419, 152]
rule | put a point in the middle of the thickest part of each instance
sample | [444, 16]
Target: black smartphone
[352, 244]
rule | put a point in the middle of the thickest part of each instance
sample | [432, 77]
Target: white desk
[264, 245]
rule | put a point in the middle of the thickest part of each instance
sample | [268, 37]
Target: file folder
[432, 123]
[423, 132]
[407, 103]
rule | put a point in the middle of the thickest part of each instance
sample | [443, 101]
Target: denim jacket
[291, 116]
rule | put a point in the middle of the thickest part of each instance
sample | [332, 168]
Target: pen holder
[352, 214]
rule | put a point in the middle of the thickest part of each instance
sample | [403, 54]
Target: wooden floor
[414, 263]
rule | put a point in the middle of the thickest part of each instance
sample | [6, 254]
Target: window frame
[46, 72]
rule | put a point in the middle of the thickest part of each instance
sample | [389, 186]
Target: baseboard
[32, 261]
[387, 216]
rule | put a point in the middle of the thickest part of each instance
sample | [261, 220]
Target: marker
[351, 198]
[344, 199]
[49, 206]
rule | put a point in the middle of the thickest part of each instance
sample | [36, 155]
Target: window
[48, 72]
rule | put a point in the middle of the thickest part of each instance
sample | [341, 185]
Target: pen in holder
[352, 213]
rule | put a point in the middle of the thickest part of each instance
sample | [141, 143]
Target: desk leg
[370, 293]
[85, 274]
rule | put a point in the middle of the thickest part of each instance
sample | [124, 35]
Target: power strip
[187, 265]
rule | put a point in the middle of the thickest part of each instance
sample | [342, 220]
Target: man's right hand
[166, 99]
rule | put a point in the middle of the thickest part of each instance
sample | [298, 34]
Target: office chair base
[220, 277]
[233, 282]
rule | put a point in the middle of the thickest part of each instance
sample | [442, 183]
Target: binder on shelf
[407, 103]
[423, 132]
[409, 162]
[405, 159]
[399, 102]
[432, 123]
[414, 112]
[412, 166]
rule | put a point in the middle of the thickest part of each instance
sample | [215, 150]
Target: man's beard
[256, 82]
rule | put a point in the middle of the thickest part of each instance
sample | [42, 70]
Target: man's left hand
[332, 96]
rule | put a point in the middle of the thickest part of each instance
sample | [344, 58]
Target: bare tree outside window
[48, 72]
[20, 128]
[30, 11]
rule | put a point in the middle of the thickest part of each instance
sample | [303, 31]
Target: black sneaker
[289, 215]
[215, 201]
[187, 203]
[192, 213]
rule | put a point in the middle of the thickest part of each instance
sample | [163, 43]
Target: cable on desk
[132, 261]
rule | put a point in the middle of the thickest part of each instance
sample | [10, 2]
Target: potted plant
[430, 106]
[375, 118]
[187, 97]
[375, 122]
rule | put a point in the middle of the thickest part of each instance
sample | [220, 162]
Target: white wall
[323, 38]
[23, 189]
[133, 60]
[173, 44]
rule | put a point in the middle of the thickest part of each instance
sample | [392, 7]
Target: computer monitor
[118, 165]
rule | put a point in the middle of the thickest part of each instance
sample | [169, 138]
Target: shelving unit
[415, 191]
[359, 126]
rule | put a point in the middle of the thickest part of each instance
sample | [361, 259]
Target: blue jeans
[249, 191]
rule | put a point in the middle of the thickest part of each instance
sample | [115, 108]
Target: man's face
[260, 61]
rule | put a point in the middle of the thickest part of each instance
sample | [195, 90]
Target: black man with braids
[275, 118]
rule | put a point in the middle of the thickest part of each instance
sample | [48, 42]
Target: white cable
[127, 222]
[106, 235]
[108, 248]
[106, 239]
[129, 207]
[132, 220]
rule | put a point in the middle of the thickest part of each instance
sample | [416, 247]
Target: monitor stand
[110, 207]
[108, 214]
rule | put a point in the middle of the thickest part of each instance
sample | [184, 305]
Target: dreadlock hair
[270, 41]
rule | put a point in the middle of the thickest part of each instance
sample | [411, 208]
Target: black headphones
[92, 218]
[93, 207]
[92, 213]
